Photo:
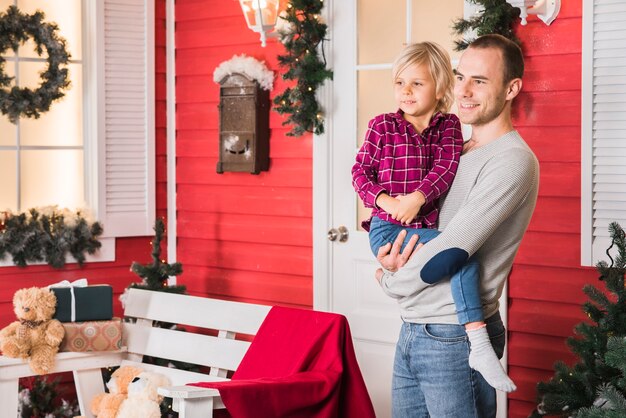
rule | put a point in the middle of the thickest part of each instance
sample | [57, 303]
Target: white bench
[221, 353]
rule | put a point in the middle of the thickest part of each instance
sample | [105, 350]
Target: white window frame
[103, 185]
[600, 196]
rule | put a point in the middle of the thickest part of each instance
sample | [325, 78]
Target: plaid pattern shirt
[396, 160]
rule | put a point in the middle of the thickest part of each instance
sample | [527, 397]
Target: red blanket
[300, 364]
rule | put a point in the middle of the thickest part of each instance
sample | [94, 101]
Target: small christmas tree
[496, 16]
[156, 274]
[595, 386]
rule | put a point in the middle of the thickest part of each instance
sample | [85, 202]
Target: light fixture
[546, 10]
[260, 15]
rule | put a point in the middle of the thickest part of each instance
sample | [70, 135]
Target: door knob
[340, 233]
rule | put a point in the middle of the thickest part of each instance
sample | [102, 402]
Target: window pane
[52, 177]
[63, 123]
[66, 14]
[381, 30]
[374, 96]
[8, 191]
[432, 21]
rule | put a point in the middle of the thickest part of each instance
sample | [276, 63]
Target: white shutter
[126, 196]
[604, 124]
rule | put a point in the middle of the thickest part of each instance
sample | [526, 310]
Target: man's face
[479, 89]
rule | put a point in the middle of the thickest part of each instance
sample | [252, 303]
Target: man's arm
[501, 188]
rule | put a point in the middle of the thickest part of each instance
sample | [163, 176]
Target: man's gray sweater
[485, 212]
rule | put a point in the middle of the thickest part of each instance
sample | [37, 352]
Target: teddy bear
[35, 335]
[107, 405]
[143, 400]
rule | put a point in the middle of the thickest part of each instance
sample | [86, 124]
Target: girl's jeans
[464, 283]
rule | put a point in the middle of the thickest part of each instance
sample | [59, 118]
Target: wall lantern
[546, 10]
[260, 15]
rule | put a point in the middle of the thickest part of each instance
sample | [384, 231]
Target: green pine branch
[49, 236]
[496, 16]
[305, 64]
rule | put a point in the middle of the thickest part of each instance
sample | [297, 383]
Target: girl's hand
[409, 206]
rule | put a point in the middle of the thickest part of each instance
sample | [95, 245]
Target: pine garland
[15, 29]
[596, 384]
[497, 16]
[304, 34]
[47, 234]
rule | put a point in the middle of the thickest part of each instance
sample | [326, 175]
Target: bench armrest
[192, 401]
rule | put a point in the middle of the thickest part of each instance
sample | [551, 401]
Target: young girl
[407, 162]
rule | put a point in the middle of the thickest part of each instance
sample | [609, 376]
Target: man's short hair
[511, 54]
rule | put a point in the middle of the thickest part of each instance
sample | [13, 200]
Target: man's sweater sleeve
[503, 184]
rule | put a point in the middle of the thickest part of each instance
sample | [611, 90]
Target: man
[485, 214]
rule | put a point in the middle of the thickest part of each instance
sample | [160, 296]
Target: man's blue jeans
[432, 376]
[464, 283]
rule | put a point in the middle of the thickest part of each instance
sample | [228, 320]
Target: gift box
[89, 303]
[92, 336]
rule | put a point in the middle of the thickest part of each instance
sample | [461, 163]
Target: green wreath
[15, 28]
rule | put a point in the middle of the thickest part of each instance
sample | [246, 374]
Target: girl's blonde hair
[438, 62]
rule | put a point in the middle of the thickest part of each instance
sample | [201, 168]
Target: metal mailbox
[244, 125]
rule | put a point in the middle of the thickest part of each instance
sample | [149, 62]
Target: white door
[365, 35]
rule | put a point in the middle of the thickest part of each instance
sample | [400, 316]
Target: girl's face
[416, 94]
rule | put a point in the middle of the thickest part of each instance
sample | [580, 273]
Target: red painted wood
[550, 283]
[545, 318]
[544, 73]
[538, 351]
[549, 249]
[257, 229]
[547, 108]
[553, 143]
[556, 214]
[291, 289]
[242, 200]
[558, 38]
[526, 380]
[294, 172]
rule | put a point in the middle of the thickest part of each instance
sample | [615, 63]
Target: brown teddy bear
[35, 336]
[106, 405]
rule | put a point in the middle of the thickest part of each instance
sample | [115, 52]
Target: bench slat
[195, 311]
[11, 368]
[204, 350]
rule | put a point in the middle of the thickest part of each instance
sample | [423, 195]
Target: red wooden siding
[240, 236]
[545, 287]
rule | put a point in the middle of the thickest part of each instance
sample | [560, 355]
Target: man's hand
[389, 255]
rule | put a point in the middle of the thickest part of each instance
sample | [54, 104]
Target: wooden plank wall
[240, 236]
[545, 287]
